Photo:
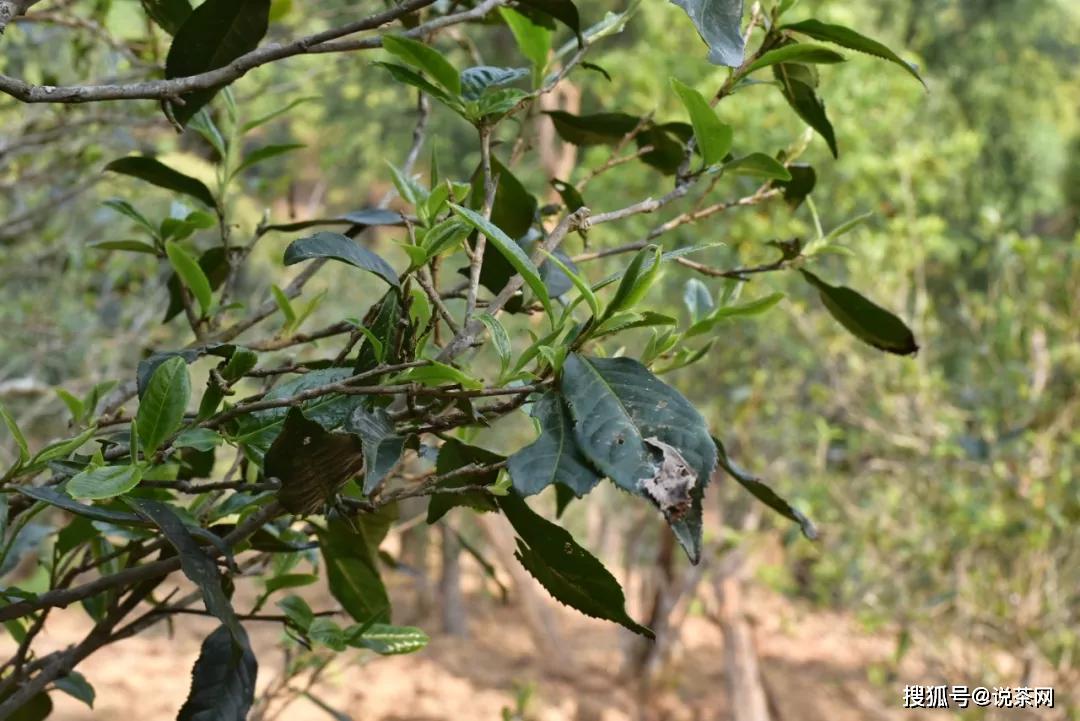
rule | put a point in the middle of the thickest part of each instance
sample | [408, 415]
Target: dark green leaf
[363, 218]
[135, 246]
[157, 173]
[161, 407]
[216, 33]
[718, 23]
[713, 136]
[644, 435]
[352, 574]
[410, 77]
[554, 457]
[803, 98]
[388, 322]
[803, 180]
[340, 247]
[201, 439]
[37, 708]
[571, 574]
[311, 463]
[763, 493]
[668, 144]
[168, 14]
[866, 320]
[455, 455]
[597, 129]
[54, 497]
[562, 10]
[382, 446]
[265, 153]
[848, 38]
[104, 482]
[199, 568]
[222, 681]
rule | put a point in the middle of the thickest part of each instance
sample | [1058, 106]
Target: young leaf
[425, 58]
[511, 251]
[13, 429]
[753, 307]
[718, 22]
[340, 247]
[533, 40]
[554, 457]
[713, 136]
[216, 33]
[642, 272]
[285, 306]
[797, 52]
[189, 271]
[157, 173]
[866, 320]
[499, 339]
[571, 574]
[352, 574]
[758, 165]
[697, 298]
[848, 38]
[161, 407]
[222, 681]
[104, 482]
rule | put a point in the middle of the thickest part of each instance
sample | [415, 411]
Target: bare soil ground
[815, 666]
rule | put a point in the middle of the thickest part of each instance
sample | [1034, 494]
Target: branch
[11, 9]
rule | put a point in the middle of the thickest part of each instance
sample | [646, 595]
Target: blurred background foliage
[946, 488]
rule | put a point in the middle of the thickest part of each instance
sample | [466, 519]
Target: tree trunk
[742, 674]
[454, 620]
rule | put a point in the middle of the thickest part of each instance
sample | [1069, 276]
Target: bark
[454, 619]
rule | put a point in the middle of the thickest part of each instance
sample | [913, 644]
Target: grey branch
[11, 9]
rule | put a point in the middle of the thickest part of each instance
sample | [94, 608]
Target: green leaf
[363, 218]
[801, 95]
[54, 497]
[796, 190]
[763, 493]
[214, 267]
[406, 75]
[425, 58]
[265, 153]
[796, 52]
[554, 457]
[455, 455]
[161, 407]
[533, 39]
[200, 568]
[326, 632]
[572, 575]
[499, 339]
[168, 14]
[596, 129]
[284, 305]
[201, 439]
[340, 247]
[758, 165]
[13, 429]
[848, 38]
[718, 22]
[125, 208]
[753, 307]
[475, 81]
[62, 449]
[278, 112]
[104, 482]
[311, 463]
[437, 374]
[187, 268]
[352, 574]
[383, 447]
[387, 640]
[642, 272]
[643, 435]
[511, 251]
[562, 10]
[216, 33]
[74, 684]
[222, 681]
[866, 320]
[713, 136]
[297, 611]
[135, 246]
[157, 173]
[37, 708]
[583, 287]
